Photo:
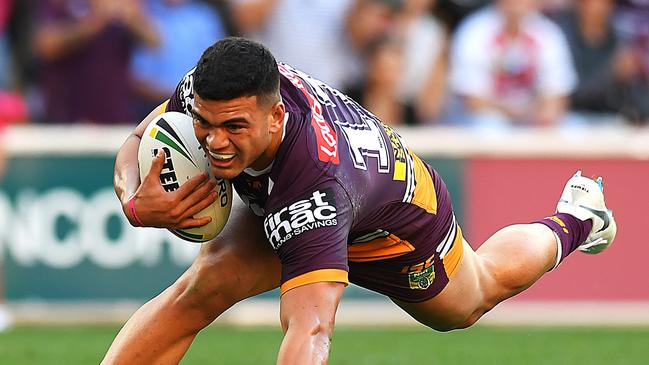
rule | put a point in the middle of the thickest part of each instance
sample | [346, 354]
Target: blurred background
[506, 98]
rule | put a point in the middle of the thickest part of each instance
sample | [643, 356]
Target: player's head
[234, 67]
[238, 113]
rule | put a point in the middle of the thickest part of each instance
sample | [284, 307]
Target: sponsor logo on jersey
[310, 212]
[325, 134]
[421, 275]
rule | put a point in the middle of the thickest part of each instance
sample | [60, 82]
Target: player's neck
[268, 156]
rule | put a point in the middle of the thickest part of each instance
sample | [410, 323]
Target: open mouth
[220, 158]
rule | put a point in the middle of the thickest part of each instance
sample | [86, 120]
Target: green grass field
[355, 346]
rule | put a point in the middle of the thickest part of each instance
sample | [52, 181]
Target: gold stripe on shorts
[334, 275]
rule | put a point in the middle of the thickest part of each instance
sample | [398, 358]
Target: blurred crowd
[495, 64]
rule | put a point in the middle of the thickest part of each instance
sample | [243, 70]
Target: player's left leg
[237, 264]
[517, 256]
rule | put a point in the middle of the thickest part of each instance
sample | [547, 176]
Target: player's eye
[234, 127]
[200, 122]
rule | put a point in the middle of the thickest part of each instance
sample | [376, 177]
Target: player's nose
[217, 139]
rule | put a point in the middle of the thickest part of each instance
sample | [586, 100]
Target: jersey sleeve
[309, 231]
[182, 100]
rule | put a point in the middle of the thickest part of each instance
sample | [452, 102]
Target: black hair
[234, 67]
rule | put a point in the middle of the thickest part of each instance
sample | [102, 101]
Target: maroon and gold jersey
[345, 199]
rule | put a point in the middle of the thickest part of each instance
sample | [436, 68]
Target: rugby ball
[173, 133]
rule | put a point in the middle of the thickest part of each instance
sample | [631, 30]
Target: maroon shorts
[413, 277]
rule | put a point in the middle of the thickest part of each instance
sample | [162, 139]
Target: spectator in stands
[632, 23]
[366, 23]
[610, 79]
[454, 11]
[423, 80]
[325, 38]
[301, 33]
[379, 91]
[12, 102]
[86, 48]
[511, 66]
[185, 28]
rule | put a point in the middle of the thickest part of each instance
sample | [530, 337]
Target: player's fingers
[195, 208]
[156, 166]
[199, 194]
[188, 187]
[193, 222]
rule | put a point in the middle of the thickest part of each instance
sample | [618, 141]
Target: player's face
[238, 133]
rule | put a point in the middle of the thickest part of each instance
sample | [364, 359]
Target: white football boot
[583, 198]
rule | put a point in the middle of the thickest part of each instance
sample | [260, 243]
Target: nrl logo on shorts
[421, 275]
[421, 280]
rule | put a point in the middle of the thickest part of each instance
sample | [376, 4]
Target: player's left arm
[308, 314]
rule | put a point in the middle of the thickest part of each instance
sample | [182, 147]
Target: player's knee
[469, 321]
[209, 285]
[448, 324]
[454, 323]
[314, 328]
[449, 319]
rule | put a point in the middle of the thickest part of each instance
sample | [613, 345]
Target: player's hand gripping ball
[173, 133]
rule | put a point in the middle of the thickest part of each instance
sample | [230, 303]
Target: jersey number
[364, 137]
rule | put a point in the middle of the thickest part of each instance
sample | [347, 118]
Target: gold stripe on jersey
[316, 276]
[161, 108]
[403, 163]
[424, 196]
[400, 154]
[399, 171]
[379, 249]
[454, 256]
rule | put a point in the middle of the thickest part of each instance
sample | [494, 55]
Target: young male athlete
[334, 196]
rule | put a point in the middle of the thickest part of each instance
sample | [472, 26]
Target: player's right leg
[517, 256]
[238, 264]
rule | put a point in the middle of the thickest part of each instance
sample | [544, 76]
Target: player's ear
[277, 117]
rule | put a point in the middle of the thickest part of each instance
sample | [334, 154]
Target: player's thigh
[457, 302]
[238, 263]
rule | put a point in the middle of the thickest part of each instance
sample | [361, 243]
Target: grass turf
[355, 346]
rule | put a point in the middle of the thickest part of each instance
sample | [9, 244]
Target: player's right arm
[154, 206]
[308, 314]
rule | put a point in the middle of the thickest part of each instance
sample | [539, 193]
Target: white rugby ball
[173, 132]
